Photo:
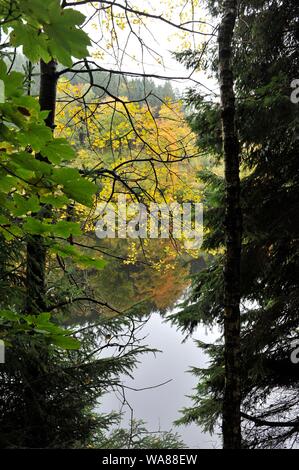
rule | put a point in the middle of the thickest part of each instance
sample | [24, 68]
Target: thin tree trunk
[36, 435]
[233, 231]
[36, 249]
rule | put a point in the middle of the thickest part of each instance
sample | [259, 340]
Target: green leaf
[74, 253]
[65, 39]
[92, 262]
[29, 162]
[23, 173]
[36, 135]
[7, 183]
[13, 84]
[31, 104]
[83, 191]
[3, 69]
[66, 342]
[36, 227]
[43, 318]
[49, 31]
[34, 44]
[22, 205]
[13, 232]
[75, 186]
[9, 315]
[65, 175]
[40, 9]
[4, 220]
[64, 229]
[58, 150]
[54, 200]
[49, 328]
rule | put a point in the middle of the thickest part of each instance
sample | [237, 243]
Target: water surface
[160, 406]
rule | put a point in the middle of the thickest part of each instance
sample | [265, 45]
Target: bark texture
[233, 232]
[36, 249]
[34, 395]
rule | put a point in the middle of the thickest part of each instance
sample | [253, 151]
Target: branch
[129, 74]
[82, 299]
[273, 424]
[148, 388]
[129, 9]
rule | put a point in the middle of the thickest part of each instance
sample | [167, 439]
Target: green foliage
[45, 30]
[13, 324]
[74, 185]
[57, 151]
[138, 437]
[52, 377]
[265, 63]
[29, 181]
[68, 251]
[50, 396]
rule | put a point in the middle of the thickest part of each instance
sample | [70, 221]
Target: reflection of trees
[142, 285]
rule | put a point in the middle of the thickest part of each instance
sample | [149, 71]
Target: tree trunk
[233, 232]
[36, 435]
[36, 249]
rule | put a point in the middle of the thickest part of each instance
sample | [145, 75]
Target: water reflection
[159, 407]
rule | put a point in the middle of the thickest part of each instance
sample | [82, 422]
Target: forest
[149, 242]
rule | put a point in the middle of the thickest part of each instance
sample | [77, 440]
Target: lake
[159, 407]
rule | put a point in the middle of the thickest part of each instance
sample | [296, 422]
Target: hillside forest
[116, 116]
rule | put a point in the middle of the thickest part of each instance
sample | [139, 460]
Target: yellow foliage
[146, 153]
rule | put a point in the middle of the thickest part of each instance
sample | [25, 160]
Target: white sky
[160, 40]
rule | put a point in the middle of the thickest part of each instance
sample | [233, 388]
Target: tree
[49, 395]
[265, 62]
[138, 437]
[44, 404]
[231, 427]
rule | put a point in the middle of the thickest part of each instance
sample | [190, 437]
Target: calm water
[160, 407]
